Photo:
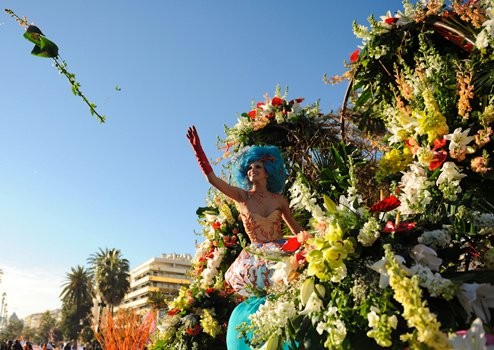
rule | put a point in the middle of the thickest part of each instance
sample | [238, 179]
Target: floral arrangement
[411, 265]
[273, 115]
[197, 318]
[126, 329]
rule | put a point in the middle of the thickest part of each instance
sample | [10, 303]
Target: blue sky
[70, 185]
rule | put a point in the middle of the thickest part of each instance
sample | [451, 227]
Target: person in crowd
[17, 345]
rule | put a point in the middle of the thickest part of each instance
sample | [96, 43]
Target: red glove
[198, 151]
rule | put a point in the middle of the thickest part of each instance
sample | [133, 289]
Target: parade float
[397, 190]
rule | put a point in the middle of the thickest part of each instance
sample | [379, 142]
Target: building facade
[165, 274]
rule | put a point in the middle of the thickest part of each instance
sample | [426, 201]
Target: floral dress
[251, 273]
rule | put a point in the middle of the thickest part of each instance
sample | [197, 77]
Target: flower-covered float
[397, 191]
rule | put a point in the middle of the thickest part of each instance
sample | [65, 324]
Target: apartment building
[166, 274]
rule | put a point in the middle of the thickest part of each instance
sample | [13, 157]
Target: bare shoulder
[281, 199]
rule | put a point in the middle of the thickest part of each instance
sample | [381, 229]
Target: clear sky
[70, 185]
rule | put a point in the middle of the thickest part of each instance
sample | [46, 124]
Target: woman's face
[256, 171]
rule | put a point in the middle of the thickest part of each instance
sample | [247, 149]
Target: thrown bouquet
[402, 254]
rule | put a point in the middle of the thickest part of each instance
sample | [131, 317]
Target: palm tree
[111, 275]
[78, 288]
[159, 300]
[77, 294]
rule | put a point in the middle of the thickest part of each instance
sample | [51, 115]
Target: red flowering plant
[198, 316]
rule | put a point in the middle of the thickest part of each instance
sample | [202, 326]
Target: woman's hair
[273, 164]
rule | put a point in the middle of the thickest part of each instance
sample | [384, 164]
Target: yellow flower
[431, 121]
[209, 323]
[415, 311]
[394, 161]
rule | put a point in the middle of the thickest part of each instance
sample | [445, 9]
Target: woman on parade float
[260, 173]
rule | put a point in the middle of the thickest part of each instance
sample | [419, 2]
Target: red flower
[260, 104]
[299, 100]
[230, 240]
[391, 20]
[194, 330]
[412, 145]
[354, 56]
[439, 143]
[216, 225]
[173, 312]
[438, 160]
[402, 227]
[291, 245]
[252, 114]
[387, 204]
[276, 101]
[300, 257]
[209, 291]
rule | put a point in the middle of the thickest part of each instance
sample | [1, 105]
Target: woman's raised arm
[233, 192]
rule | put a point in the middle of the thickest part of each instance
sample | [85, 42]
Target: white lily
[473, 339]
[380, 266]
[477, 299]
[449, 172]
[282, 270]
[314, 304]
[459, 139]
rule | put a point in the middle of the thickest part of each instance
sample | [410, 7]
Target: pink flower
[390, 227]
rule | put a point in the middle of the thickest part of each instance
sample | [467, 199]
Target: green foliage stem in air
[43, 47]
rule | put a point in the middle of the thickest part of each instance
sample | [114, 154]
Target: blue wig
[273, 164]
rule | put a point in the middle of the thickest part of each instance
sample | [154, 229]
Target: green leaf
[43, 47]
[329, 204]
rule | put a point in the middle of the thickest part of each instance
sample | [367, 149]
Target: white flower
[369, 233]
[459, 140]
[314, 304]
[482, 40]
[435, 238]
[426, 256]
[449, 173]
[415, 194]
[380, 266]
[434, 282]
[473, 339]
[477, 299]
[211, 269]
[373, 317]
[282, 270]
[485, 223]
